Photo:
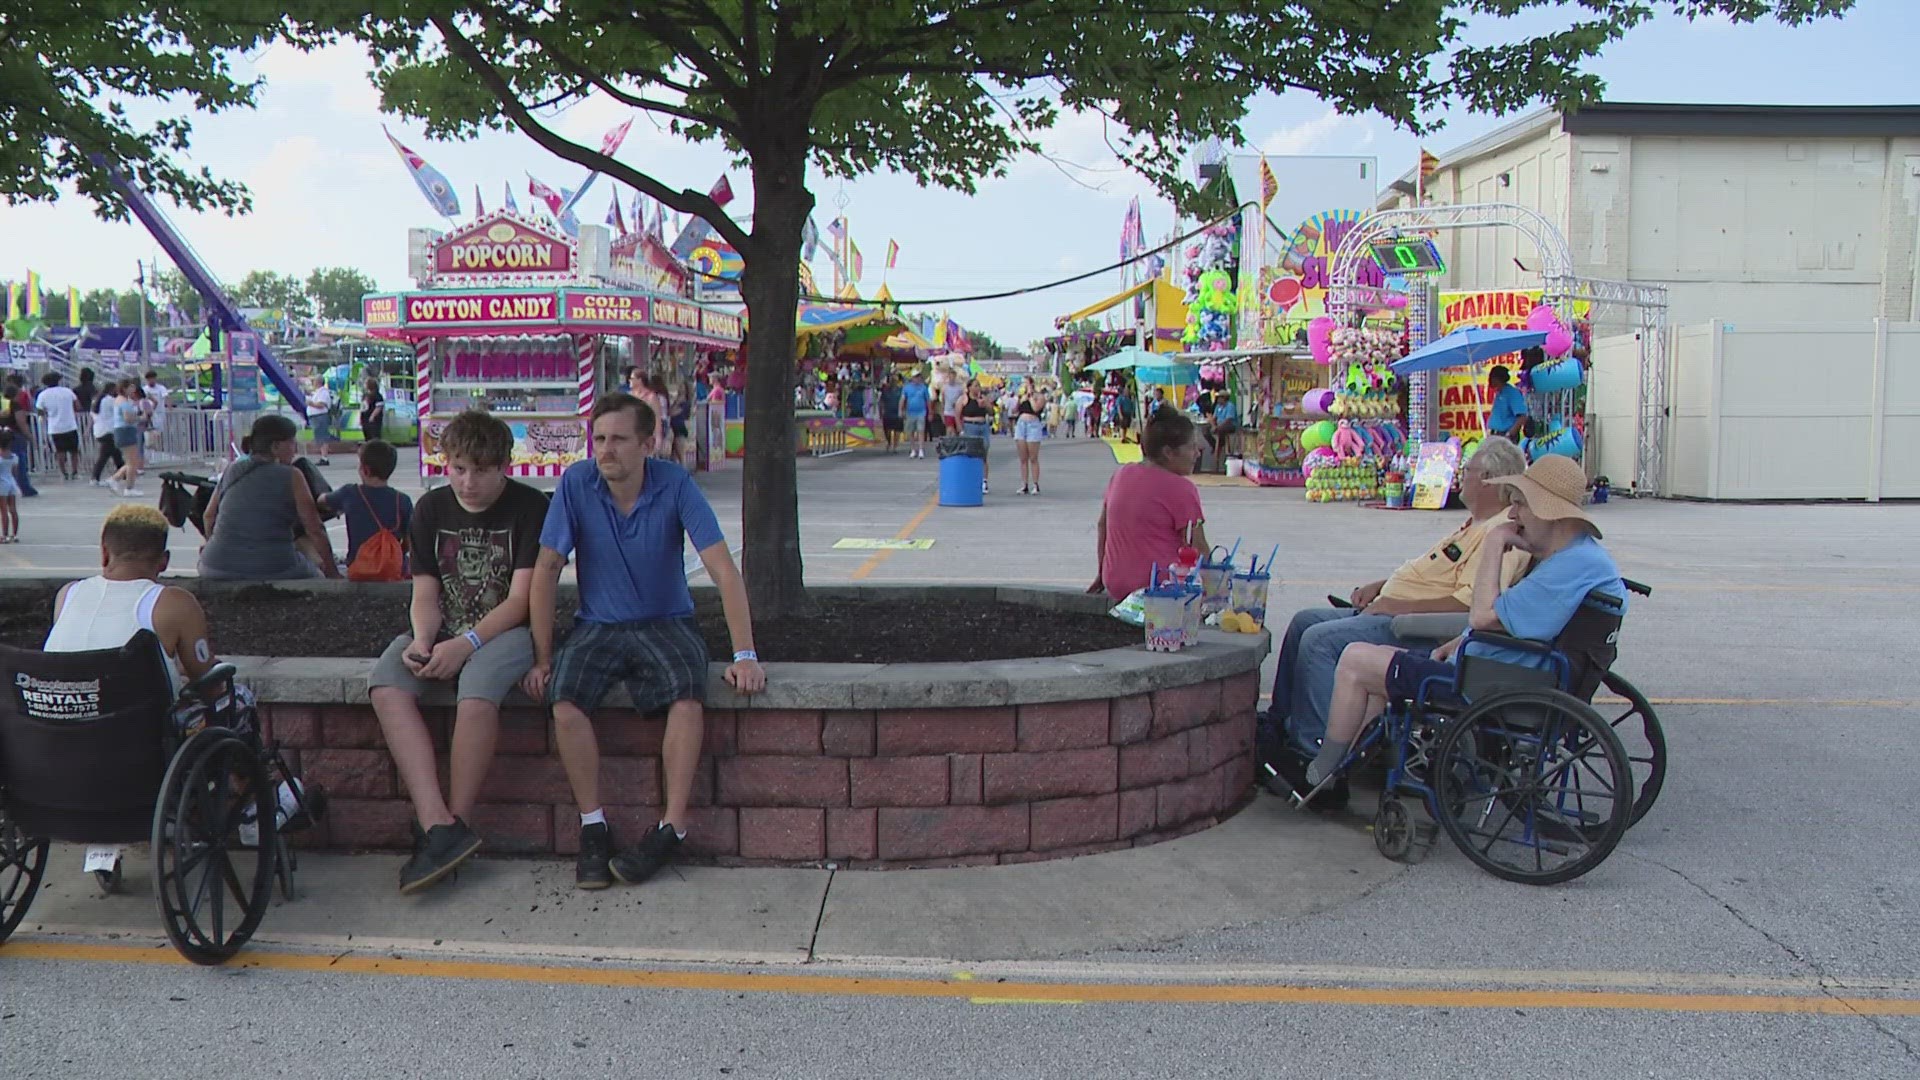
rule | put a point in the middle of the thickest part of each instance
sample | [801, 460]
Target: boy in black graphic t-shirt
[474, 542]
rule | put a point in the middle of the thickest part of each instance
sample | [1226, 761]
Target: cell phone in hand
[418, 658]
[1338, 602]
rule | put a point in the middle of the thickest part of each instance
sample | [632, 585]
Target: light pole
[140, 279]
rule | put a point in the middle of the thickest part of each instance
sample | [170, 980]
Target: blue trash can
[963, 470]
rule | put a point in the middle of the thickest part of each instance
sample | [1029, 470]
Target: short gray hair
[1498, 456]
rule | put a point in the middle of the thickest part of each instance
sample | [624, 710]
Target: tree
[266, 289]
[100, 307]
[171, 288]
[71, 70]
[337, 290]
[945, 91]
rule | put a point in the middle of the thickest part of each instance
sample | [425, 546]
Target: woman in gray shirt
[262, 501]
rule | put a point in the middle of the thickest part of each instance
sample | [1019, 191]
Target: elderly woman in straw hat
[1547, 522]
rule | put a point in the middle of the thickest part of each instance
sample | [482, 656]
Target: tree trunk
[770, 285]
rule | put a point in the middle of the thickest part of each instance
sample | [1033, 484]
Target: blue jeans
[1309, 652]
[22, 464]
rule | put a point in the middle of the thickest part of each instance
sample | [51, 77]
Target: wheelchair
[1511, 760]
[90, 754]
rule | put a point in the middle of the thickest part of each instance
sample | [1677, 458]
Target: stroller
[184, 497]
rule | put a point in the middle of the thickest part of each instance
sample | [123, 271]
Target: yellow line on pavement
[981, 992]
[906, 533]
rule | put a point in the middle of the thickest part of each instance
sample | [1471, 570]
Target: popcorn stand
[519, 319]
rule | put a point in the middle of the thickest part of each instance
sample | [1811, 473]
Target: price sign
[1408, 255]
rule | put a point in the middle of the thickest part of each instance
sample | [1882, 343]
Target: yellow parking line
[906, 533]
[980, 992]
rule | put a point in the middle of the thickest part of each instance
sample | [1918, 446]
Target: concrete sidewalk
[1268, 862]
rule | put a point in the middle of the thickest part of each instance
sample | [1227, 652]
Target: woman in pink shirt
[1149, 508]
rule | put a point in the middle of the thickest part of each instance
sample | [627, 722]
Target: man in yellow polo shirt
[1438, 580]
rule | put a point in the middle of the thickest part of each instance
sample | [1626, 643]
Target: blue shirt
[915, 396]
[1509, 408]
[630, 566]
[368, 509]
[1224, 413]
[1541, 604]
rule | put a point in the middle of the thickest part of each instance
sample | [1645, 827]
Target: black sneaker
[436, 854]
[590, 869]
[656, 849]
[1286, 776]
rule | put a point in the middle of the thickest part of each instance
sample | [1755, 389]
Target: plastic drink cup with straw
[1250, 592]
[1163, 608]
[1216, 582]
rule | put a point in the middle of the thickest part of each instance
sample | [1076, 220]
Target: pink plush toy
[1542, 319]
[1346, 441]
[1320, 339]
[1559, 342]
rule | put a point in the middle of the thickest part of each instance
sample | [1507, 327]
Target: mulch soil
[262, 620]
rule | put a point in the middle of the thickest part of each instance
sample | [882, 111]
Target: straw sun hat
[1555, 486]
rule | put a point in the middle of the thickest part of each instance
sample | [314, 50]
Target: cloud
[1327, 131]
[341, 71]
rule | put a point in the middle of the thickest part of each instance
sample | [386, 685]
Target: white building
[1786, 237]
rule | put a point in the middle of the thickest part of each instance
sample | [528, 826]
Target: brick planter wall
[863, 788]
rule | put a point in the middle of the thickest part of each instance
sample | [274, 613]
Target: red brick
[899, 781]
[779, 731]
[853, 834]
[713, 830]
[623, 780]
[964, 776]
[1137, 811]
[1062, 725]
[905, 732]
[949, 831]
[359, 824]
[1014, 858]
[350, 727]
[1240, 693]
[1182, 707]
[1183, 800]
[1159, 836]
[628, 734]
[1199, 750]
[1227, 739]
[1132, 719]
[785, 834]
[1237, 776]
[783, 781]
[523, 733]
[353, 774]
[847, 734]
[515, 828]
[1012, 777]
[720, 735]
[1059, 823]
[293, 725]
[1156, 762]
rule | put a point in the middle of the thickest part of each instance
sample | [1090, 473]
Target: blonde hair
[132, 531]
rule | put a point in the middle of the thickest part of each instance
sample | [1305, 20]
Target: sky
[328, 190]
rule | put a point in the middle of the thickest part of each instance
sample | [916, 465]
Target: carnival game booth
[531, 325]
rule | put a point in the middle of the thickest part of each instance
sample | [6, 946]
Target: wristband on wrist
[745, 654]
[473, 639]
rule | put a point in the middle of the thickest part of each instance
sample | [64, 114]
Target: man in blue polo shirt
[1509, 405]
[628, 516]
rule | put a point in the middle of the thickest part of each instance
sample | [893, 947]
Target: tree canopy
[336, 291]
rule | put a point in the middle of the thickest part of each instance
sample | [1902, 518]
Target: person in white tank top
[104, 611]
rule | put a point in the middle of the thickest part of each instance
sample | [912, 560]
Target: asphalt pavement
[1759, 922]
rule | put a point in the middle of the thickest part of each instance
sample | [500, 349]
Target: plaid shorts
[661, 662]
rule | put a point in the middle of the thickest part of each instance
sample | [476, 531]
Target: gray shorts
[487, 675]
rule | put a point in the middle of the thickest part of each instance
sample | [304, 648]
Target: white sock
[598, 817]
[679, 833]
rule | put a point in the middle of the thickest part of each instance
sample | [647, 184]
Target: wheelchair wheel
[212, 891]
[23, 863]
[1533, 786]
[111, 880]
[1644, 739]
[1397, 835]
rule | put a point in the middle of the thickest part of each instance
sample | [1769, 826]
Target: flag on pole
[1269, 184]
[893, 254]
[639, 212]
[809, 240]
[722, 191]
[1429, 164]
[610, 142]
[659, 229]
[614, 217]
[73, 306]
[33, 295]
[13, 300]
[569, 222]
[431, 182]
[837, 228]
[1128, 226]
[853, 256]
[511, 204]
[479, 208]
[545, 194]
[113, 311]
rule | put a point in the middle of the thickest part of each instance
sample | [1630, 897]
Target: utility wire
[1173, 243]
